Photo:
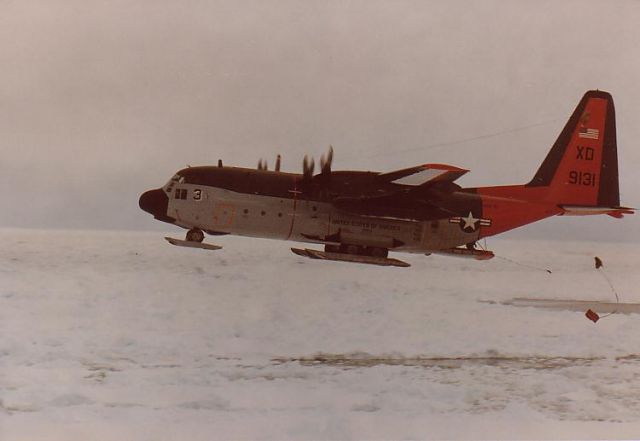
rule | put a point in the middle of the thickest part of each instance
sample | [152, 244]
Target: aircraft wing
[405, 190]
[397, 205]
[422, 175]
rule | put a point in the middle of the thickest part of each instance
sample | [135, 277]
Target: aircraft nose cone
[154, 202]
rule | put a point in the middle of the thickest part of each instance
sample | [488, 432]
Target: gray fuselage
[288, 213]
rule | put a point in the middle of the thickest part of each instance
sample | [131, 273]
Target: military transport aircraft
[359, 216]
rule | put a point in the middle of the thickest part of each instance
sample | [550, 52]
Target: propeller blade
[325, 163]
[307, 167]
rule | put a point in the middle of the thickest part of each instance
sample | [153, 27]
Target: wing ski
[354, 258]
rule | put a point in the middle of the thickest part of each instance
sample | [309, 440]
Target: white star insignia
[469, 222]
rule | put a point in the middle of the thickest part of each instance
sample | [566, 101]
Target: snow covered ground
[112, 335]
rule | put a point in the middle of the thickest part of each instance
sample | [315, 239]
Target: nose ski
[192, 244]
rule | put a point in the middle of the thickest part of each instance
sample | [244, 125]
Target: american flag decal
[588, 133]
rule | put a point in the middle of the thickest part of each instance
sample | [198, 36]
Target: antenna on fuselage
[278, 160]
[219, 162]
[262, 165]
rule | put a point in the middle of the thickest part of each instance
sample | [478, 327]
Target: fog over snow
[103, 100]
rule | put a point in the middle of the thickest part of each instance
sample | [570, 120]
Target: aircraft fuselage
[279, 205]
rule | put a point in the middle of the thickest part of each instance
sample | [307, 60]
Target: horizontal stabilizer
[586, 210]
[423, 174]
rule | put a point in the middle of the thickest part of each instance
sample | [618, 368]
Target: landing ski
[192, 244]
[343, 257]
[466, 253]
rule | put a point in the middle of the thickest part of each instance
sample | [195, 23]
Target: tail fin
[582, 166]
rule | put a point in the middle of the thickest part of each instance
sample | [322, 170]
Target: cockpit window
[172, 182]
[181, 193]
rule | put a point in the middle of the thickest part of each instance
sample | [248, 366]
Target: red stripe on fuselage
[513, 206]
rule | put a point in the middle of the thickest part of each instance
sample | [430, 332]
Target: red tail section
[582, 166]
[578, 176]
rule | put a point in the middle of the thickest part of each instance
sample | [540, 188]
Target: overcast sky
[101, 100]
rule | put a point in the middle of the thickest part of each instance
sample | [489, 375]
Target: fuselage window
[177, 194]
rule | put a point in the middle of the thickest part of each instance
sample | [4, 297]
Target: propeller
[325, 163]
[323, 180]
[307, 168]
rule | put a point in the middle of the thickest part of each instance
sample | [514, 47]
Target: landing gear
[195, 235]
[332, 249]
[353, 249]
[356, 250]
[345, 257]
[379, 252]
[471, 246]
